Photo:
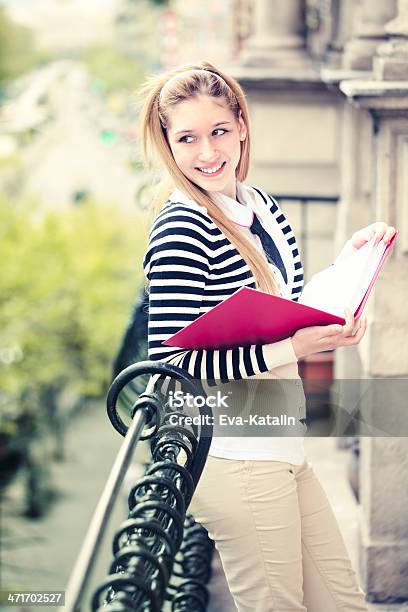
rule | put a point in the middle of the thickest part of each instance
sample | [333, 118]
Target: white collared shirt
[241, 212]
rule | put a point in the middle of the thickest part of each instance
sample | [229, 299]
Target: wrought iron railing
[152, 564]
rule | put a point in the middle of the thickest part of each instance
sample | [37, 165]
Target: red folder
[250, 316]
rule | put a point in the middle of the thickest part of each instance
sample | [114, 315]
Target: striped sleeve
[177, 265]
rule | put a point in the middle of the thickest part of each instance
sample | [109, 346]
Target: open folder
[250, 316]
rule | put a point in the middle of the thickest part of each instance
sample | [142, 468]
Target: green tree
[67, 284]
[68, 279]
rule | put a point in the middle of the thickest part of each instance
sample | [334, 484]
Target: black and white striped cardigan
[191, 267]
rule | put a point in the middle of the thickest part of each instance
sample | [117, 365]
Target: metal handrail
[305, 201]
[148, 420]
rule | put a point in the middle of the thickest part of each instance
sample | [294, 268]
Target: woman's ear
[242, 128]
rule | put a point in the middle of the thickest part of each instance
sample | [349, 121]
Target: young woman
[259, 498]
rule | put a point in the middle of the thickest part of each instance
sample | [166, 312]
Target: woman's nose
[207, 150]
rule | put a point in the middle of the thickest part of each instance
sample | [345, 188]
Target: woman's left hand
[380, 230]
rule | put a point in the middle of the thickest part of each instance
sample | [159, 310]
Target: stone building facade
[327, 85]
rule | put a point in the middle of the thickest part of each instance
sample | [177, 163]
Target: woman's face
[204, 137]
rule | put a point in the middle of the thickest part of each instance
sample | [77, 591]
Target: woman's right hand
[318, 338]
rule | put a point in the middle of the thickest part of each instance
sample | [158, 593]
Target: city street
[79, 145]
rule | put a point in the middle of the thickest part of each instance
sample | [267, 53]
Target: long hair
[160, 94]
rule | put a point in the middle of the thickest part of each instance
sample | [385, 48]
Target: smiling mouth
[213, 171]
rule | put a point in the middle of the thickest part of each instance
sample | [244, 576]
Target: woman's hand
[318, 338]
[380, 230]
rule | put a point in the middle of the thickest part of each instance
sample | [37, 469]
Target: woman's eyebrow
[215, 125]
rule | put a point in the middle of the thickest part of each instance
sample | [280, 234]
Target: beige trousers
[277, 536]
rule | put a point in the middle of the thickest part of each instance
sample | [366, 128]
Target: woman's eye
[220, 130]
[184, 139]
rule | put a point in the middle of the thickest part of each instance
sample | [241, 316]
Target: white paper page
[344, 284]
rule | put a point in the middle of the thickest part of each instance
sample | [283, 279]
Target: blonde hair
[161, 93]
